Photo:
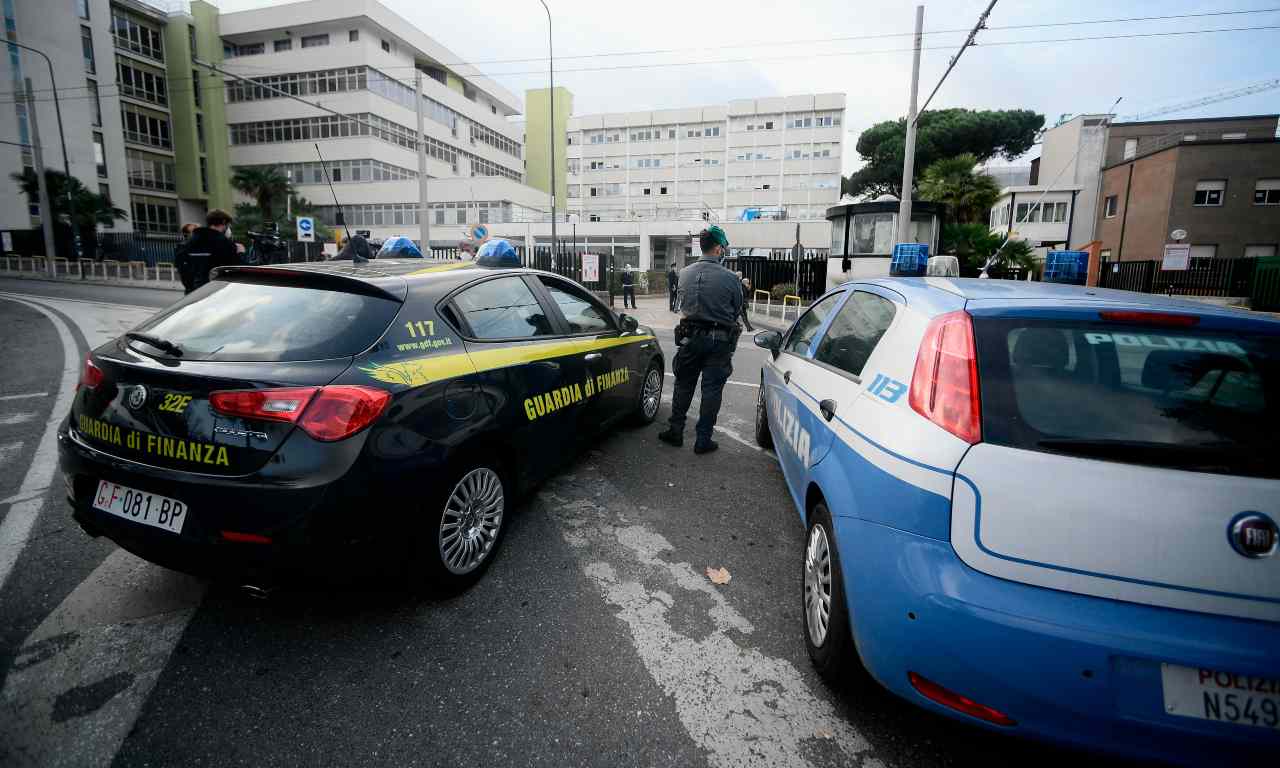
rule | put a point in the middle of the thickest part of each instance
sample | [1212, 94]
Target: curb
[152, 285]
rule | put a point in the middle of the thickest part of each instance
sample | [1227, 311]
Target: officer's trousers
[628, 295]
[712, 358]
[674, 299]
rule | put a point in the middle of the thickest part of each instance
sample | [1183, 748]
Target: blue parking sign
[306, 229]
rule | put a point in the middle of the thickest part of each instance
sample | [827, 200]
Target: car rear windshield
[251, 322]
[1182, 398]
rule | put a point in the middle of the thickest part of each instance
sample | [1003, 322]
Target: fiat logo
[1253, 534]
[137, 397]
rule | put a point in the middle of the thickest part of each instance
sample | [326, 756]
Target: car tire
[831, 647]
[650, 398]
[463, 526]
[764, 438]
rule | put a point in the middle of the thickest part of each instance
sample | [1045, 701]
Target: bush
[783, 289]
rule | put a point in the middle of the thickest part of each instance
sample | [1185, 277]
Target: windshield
[1182, 398]
[238, 321]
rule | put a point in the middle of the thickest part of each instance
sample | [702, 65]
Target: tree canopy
[952, 180]
[267, 185]
[940, 134]
[91, 207]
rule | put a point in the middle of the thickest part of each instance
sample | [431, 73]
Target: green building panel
[197, 106]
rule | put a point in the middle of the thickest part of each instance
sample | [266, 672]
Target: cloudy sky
[710, 52]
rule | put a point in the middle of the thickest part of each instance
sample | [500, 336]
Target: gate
[779, 268]
[1266, 285]
[568, 263]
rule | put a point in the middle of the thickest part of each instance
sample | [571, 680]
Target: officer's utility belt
[714, 331]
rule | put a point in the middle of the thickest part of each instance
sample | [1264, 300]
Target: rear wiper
[163, 345]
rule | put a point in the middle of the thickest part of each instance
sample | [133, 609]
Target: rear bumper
[1079, 670]
[318, 522]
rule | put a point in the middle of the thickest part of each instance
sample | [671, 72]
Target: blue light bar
[1069, 267]
[909, 260]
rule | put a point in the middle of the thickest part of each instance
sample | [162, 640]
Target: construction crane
[1248, 90]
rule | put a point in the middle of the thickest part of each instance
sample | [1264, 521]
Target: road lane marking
[9, 451]
[23, 396]
[741, 706]
[17, 418]
[11, 295]
[16, 527]
[80, 680]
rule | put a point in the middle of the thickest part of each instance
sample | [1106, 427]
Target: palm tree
[91, 208]
[267, 185]
[952, 181]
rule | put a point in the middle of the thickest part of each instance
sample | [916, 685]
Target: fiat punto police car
[281, 412]
[1045, 509]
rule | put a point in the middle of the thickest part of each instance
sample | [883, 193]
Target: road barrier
[798, 301]
[768, 299]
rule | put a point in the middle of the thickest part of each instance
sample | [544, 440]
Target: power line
[970, 40]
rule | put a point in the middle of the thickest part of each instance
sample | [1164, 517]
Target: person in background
[746, 301]
[673, 286]
[189, 228]
[710, 302]
[628, 287]
[208, 247]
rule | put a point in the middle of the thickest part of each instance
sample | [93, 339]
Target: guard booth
[863, 236]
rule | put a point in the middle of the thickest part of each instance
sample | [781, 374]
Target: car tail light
[952, 700]
[944, 386]
[90, 375]
[245, 538]
[325, 413]
[1150, 318]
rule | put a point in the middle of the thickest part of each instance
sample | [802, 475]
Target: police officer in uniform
[673, 285]
[710, 302]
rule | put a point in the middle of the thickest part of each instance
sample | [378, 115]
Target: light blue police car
[1046, 509]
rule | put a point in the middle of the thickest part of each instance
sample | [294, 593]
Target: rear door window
[252, 322]
[801, 337]
[1176, 397]
[503, 309]
[580, 313]
[854, 332]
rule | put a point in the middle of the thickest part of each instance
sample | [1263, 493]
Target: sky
[787, 48]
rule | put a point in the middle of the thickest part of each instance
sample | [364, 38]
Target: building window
[141, 83]
[1204, 251]
[484, 215]
[462, 215]
[82, 9]
[86, 45]
[595, 191]
[95, 106]
[148, 171]
[1109, 206]
[105, 191]
[191, 40]
[231, 51]
[1209, 193]
[1130, 148]
[1190, 137]
[1234, 136]
[204, 175]
[99, 154]
[132, 35]
[711, 131]
[195, 86]
[386, 48]
[662, 190]
[200, 131]
[154, 214]
[1267, 192]
[352, 36]
[314, 41]
[281, 46]
[141, 127]
[647, 191]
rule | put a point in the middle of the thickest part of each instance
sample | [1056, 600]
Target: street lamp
[551, 132]
[62, 138]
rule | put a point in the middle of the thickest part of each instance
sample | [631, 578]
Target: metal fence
[1202, 277]
[779, 268]
[568, 263]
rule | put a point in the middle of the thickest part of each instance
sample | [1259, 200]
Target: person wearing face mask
[209, 247]
[710, 300]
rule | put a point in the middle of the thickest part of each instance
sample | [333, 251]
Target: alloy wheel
[817, 585]
[471, 520]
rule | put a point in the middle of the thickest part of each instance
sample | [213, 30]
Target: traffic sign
[306, 229]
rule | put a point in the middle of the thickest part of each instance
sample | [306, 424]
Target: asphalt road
[595, 639]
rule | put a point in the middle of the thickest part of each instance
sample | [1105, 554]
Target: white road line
[17, 418]
[741, 706]
[732, 435]
[10, 295]
[16, 527]
[23, 396]
[743, 384]
[7, 452]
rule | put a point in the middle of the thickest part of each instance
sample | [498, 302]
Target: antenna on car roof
[341, 219]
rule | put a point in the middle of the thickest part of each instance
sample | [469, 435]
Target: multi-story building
[1217, 180]
[768, 158]
[135, 128]
[360, 59]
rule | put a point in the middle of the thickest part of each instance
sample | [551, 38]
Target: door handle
[786, 377]
[592, 356]
[828, 408]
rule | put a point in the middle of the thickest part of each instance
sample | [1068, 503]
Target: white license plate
[1210, 694]
[140, 507]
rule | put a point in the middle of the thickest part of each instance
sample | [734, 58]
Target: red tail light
[944, 387]
[325, 413]
[952, 700]
[1150, 318]
[90, 375]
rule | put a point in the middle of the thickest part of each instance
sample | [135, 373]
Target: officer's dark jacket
[710, 293]
[673, 278]
[206, 249]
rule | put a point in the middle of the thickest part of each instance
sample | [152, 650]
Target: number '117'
[421, 328]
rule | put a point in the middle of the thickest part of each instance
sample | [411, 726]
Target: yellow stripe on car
[424, 370]
[442, 268]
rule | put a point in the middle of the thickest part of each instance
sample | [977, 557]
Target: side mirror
[629, 324]
[770, 340]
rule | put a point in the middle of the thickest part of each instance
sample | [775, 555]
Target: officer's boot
[672, 436]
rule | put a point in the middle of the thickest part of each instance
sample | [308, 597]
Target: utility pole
[46, 210]
[909, 154]
[551, 105]
[288, 198]
[424, 225]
